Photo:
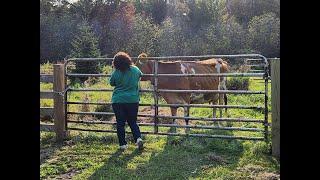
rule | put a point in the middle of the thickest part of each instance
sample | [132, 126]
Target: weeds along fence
[62, 91]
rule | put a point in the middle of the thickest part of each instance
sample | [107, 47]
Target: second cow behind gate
[208, 66]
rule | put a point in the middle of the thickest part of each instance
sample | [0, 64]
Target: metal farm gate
[264, 74]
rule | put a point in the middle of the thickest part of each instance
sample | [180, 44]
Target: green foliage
[144, 37]
[103, 108]
[264, 34]
[85, 44]
[244, 10]
[160, 27]
[238, 83]
[120, 28]
[171, 40]
[46, 68]
[56, 33]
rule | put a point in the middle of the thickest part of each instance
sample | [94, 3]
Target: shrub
[241, 83]
[103, 108]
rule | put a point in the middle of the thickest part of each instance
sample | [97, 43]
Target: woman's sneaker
[124, 147]
[139, 143]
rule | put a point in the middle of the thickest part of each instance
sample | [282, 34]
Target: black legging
[126, 112]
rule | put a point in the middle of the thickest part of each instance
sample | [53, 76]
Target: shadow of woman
[178, 158]
[118, 160]
[184, 157]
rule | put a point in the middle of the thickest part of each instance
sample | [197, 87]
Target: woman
[125, 97]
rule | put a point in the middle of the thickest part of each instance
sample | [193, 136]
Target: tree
[56, 33]
[202, 13]
[56, 30]
[245, 10]
[121, 26]
[264, 34]
[144, 38]
[155, 9]
[85, 44]
[172, 41]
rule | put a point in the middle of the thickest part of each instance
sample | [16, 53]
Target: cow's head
[224, 66]
[144, 65]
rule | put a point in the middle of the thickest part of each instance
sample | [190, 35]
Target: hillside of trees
[93, 28]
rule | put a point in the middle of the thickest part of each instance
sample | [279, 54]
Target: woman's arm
[112, 79]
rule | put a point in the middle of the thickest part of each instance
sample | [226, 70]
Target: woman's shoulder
[135, 68]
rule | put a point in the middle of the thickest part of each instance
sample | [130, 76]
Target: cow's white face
[183, 68]
[218, 67]
[144, 65]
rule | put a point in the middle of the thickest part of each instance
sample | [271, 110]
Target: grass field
[90, 155]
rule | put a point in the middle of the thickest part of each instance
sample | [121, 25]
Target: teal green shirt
[126, 84]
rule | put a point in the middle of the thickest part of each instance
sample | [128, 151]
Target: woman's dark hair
[122, 61]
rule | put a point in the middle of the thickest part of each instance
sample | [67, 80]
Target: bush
[103, 108]
[241, 83]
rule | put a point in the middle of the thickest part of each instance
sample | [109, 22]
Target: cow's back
[196, 83]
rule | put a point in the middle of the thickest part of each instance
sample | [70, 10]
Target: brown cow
[190, 83]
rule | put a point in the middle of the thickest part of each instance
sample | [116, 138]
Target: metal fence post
[155, 96]
[275, 101]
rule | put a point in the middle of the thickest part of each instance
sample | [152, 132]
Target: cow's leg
[225, 103]
[225, 100]
[186, 114]
[222, 86]
[214, 115]
[173, 113]
[214, 112]
[221, 102]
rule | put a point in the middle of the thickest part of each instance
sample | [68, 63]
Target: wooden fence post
[275, 101]
[58, 99]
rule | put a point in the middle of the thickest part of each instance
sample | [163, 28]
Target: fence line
[46, 111]
[177, 105]
[177, 134]
[62, 120]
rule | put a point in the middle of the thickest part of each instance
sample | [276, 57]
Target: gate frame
[265, 76]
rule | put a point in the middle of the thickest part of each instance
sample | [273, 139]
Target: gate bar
[177, 134]
[177, 91]
[177, 117]
[173, 125]
[179, 105]
[177, 75]
[180, 57]
[212, 91]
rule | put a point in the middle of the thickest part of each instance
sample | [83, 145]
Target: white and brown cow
[187, 83]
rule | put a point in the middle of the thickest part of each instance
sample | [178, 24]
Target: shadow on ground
[178, 158]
